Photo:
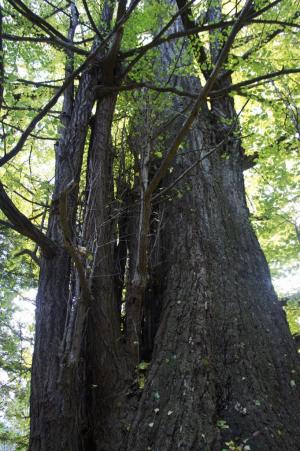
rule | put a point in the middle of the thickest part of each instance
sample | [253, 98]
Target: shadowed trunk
[104, 369]
[224, 372]
[53, 423]
[60, 417]
[224, 367]
[200, 306]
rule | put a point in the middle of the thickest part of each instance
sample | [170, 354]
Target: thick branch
[22, 225]
[101, 91]
[7, 224]
[38, 39]
[109, 61]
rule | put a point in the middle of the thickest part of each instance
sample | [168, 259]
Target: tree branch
[156, 40]
[36, 84]
[189, 24]
[201, 29]
[93, 25]
[90, 59]
[238, 86]
[38, 39]
[14, 127]
[7, 224]
[201, 98]
[277, 22]
[264, 9]
[55, 35]
[25, 227]
[197, 162]
[101, 91]
[250, 83]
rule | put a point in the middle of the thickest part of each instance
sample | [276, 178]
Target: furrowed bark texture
[53, 423]
[224, 370]
[61, 418]
[103, 330]
[225, 367]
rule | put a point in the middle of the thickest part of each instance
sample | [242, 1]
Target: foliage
[15, 362]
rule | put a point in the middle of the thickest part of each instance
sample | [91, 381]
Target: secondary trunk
[104, 368]
[53, 423]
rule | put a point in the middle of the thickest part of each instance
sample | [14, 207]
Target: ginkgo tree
[127, 128]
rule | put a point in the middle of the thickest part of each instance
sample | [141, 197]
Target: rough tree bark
[76, 292]
[224, 372]
[56, 395]
[103, 356]
[53, 424]
[224, 368]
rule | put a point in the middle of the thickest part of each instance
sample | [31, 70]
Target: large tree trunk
[225, 367]
[53, 422]
[224, 370]
[60, 416]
